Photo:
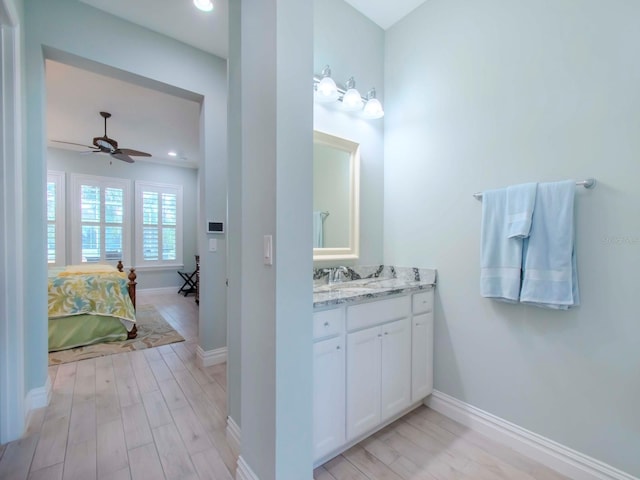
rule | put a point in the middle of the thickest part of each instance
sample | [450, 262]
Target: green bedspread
[81, 330]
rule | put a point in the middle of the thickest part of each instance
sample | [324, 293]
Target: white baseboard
[159, 291]
[244, 472]
[37, 398]
[210, 357]
[233, 435]
[563, 459]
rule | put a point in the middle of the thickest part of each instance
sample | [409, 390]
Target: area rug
[153, 331]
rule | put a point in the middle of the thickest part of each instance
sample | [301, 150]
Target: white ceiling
[384, 12]
[142, 118]
[179, 19]
[146, 119]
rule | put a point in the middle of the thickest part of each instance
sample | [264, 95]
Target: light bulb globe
[352, 101]
[326, 91]
[373, 109]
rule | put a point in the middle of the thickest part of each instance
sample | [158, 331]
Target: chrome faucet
[336, 274]
[340, 274]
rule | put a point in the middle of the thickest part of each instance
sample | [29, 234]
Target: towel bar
[588, 183]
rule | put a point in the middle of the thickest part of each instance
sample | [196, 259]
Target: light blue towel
[549, 264]
[318, 233]
[520, 202]
[500, 256]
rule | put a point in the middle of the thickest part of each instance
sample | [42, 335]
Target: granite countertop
[365, 283]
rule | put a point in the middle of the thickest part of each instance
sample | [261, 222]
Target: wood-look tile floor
[153, 414]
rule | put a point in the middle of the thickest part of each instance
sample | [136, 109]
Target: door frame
[12, 364]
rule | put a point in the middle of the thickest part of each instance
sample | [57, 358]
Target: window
[55, 218]
[101, 212]
[159, 224]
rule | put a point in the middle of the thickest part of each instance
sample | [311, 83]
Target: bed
[90, 304]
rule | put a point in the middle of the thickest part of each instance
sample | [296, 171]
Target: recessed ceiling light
[173, 154]
[204, 5]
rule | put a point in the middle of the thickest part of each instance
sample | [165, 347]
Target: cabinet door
[328, 396]
[396, 367]
[363, 381]
[422, 356]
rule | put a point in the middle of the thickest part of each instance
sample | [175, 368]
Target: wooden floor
[153, 414]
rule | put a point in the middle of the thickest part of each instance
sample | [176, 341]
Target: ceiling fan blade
[135, 153]
[73, 143]
[123, 156]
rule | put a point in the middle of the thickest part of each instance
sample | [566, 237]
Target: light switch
[213, 245]
[268, 250]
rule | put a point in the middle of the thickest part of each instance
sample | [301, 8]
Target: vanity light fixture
[326, 91]
[204, 5]
[373, 107]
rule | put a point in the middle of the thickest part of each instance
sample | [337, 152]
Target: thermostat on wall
[215, 227]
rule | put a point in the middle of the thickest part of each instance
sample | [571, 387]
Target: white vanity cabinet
[328, 381]
[373, 361]
[422, 345]
[378, 374]
[378, 362]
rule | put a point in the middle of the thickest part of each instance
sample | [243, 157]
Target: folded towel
[501, 256]
[520, 202]
[549, 264]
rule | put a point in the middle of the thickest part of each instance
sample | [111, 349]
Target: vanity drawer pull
[423, 302]
[327, 323]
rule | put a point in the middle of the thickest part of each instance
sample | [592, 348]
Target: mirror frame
[351, 251]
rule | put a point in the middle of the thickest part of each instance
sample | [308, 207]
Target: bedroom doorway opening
[105, 207]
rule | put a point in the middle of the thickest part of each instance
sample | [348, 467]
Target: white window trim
[142, 186]
[59, 179]
[77, 180]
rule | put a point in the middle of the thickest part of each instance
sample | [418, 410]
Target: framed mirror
[336, 198]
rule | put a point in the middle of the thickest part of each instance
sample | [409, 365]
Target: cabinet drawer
[423, 302]
[328, 323]
[375, 313]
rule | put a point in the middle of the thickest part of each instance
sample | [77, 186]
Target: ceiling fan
[108, 145]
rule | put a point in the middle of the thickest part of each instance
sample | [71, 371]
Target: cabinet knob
[326, 324]
[338, 347]
[386, 333]
[379, 334]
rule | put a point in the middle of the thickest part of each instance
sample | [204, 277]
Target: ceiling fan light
[204, 5]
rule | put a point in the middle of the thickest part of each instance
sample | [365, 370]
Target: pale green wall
[354, 46]
[486, 94]
[74, 32]
[74, 162]
[276, 156]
